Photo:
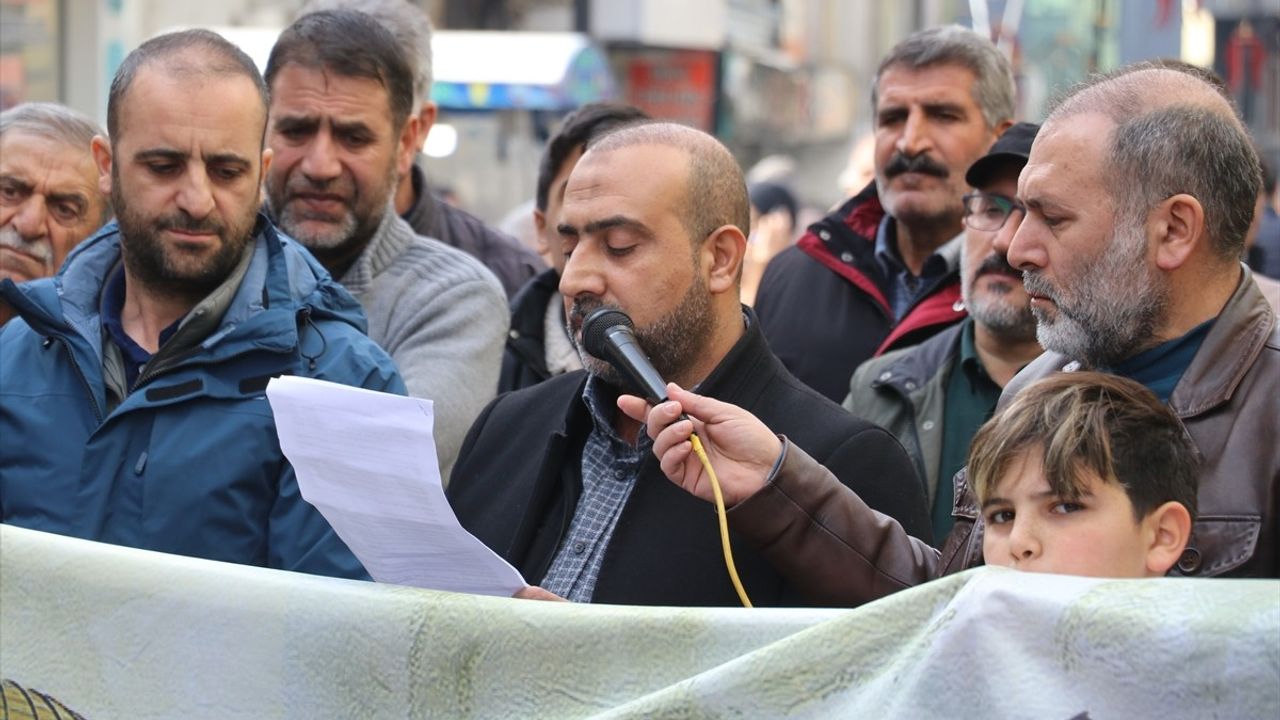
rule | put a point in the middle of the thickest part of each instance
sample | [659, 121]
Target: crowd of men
[229, 226]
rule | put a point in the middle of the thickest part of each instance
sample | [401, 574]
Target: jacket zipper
[97, 411]
[151, 373]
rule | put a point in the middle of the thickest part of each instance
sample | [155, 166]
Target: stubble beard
[333, 238]
[673, 342]
[167, 271]
[991, 309]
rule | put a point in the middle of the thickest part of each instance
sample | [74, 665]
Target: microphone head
[597, 325]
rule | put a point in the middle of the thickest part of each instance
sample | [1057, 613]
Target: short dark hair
[715, 193]
[409, 25]
[578, 129]
[1091, 421]
[219, 57]
[349, 44]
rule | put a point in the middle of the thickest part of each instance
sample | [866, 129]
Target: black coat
[517, 481]
[524, 359]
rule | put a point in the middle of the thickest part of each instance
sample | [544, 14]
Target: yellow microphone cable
[724, 520]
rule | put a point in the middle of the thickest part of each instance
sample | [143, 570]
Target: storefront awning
[489, 70]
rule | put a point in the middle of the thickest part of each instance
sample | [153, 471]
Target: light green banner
[114, 632]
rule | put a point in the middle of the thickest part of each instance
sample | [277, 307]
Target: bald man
[564, 486]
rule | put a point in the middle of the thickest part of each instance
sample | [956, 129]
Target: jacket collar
[392, 237]
[422, 213]
[1242, 329]
[280, 282]
[911, 368]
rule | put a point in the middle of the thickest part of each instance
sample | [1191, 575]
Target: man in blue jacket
[131, 384]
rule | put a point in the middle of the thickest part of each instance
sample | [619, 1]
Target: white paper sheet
[367, 461]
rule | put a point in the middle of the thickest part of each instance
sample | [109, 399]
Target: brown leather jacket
[838, 551]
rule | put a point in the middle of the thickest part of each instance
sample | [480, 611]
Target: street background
[784, 83]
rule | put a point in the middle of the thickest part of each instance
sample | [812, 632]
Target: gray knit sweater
[441, 315]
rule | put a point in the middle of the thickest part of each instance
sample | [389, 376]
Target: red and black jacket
[823, 303]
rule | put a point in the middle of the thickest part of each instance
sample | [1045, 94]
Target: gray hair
[53, 121]
[955, 45]
[407, 23]
[1175, 133]
[58, 123]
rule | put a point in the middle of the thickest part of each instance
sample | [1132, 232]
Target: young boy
[1085, 474]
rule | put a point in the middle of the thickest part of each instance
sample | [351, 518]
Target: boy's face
[1028, 527]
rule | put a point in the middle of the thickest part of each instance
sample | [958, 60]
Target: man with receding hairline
[131, 384]
[563, 485]
[49, 197]
[1139, 193]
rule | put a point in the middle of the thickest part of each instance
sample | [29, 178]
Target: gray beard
[1111, 313]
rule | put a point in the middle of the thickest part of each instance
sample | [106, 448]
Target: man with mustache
[936, 395]
[881, 272]
[131, 383]
[561, 484]
[343, 132]
[49, 197]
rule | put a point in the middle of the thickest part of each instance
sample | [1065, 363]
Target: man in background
[49, 196]
[882, 271]
[429, 214]
[934, 396]
[538, 346]
[342, 132]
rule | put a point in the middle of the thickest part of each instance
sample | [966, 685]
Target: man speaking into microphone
[563, 485]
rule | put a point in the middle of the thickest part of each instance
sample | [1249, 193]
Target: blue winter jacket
[189, 462]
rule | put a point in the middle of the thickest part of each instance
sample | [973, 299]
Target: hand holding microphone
[740, 447]
[607, 333]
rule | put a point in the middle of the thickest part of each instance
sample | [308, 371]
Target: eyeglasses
[987, 211]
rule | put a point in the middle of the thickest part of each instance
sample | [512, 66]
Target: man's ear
[1168, 531]
[267, 155]
[540, 225]
[101, 149]
[722, 254]
[1177, 227]
[409, 144]
[426, 119]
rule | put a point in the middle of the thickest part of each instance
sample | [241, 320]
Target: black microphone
[608, 334]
